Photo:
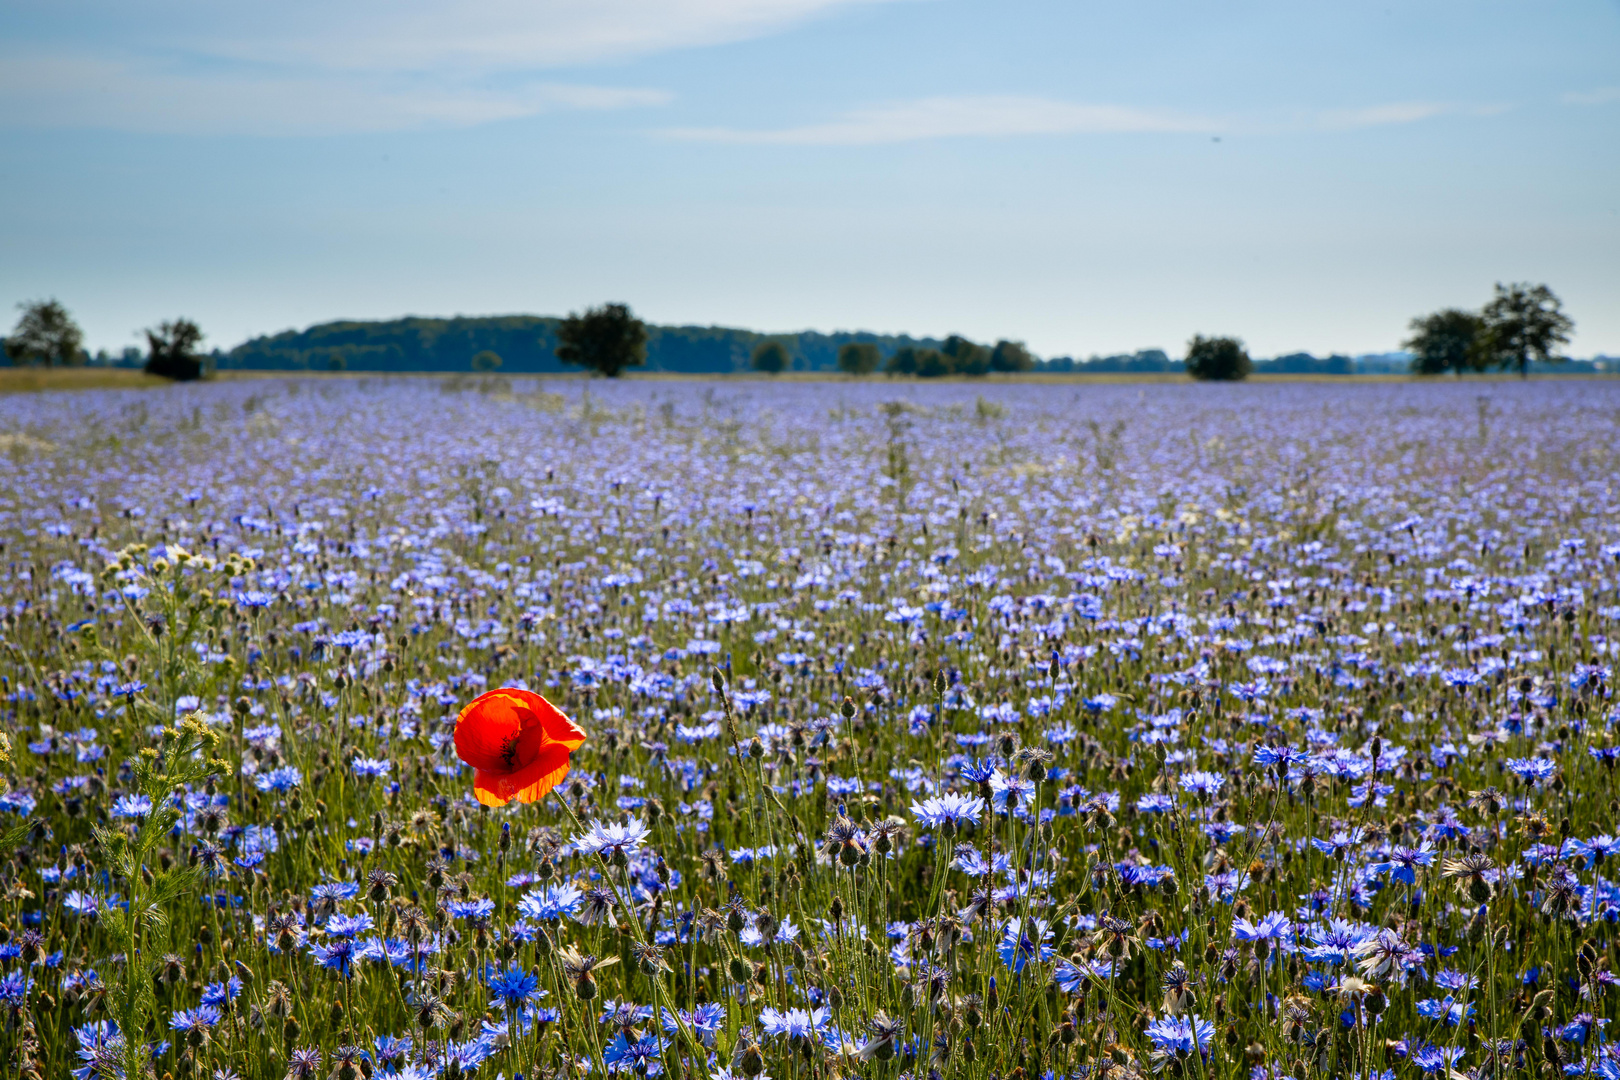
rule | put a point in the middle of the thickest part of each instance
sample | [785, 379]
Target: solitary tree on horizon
[604, 339]
[1524, 322]
[45, 334]
[1448, 340]
[1218, 359]
[174, 350]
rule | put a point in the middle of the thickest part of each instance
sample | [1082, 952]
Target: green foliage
[605, 340]
[904, 361]
[1011, 356]
[527, 344]
[172, 350]
[859, 357]
[958, 356]
[965, 357]
[1524, 322]
[932, 364]
[771, 357]
[1217, 359]
[486, 360]
[45, 334]
[1447, 340]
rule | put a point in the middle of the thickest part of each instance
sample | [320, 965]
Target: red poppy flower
[517, 743]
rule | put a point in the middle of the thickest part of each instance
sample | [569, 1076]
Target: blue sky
[1088, 177]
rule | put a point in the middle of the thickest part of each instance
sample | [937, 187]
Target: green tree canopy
[173, 350]
[486, 360]
[966, 357]
[1217, 358]
[45, 334]
[604, 339]
[904, 360]
[933, 364]
[1447, 340]
[1011, 356]
[1524, 322]
[771, 357]
[859, 357]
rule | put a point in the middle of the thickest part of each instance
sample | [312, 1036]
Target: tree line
[1521, 324]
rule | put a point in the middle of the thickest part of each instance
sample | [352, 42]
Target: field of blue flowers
[996, 733]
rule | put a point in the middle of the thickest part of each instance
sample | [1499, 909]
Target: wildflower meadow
[849, 729]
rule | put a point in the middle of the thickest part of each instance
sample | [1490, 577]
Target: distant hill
[525, 344]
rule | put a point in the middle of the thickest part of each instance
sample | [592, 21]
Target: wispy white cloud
[324, 67]
[1400, 112]
[92, 92]
[1405, 112]
[1600, 96]
[992, 116]
[957, 117]
[418, 35]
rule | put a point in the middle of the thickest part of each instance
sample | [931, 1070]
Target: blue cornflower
[101, 1049]
[1432, 1059]
[280, 780]
[1336, 941]
[1019, 947]
[1279, 756]
[467, 1056]
[337, 956]
[706, 1019]
[642, 1057]
[552, 903]
[977, 772]
[513, 986]
[481, 908]
[1402, 862]
[1175, 1036]
[1452, 1011]
[1341, 843]
[1531, 770]
[371, 767]
[794, 1023]
[221, 994]
[349, 925]
[1452, 979]
[199, 1019]
[1155, 804]
[612, 839]
[949, 810]
[330, 891]
[1580, 1026]
[14, 987]
[1072, 975]
[132, 806]
[968, 860]
[392, 1052]
[1272, 927]
[1202, 783]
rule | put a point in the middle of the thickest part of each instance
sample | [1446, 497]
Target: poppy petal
[547, 772]
[557, 726]
[561, 730]
[486, 727]
[528, 784]
[487, 787]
